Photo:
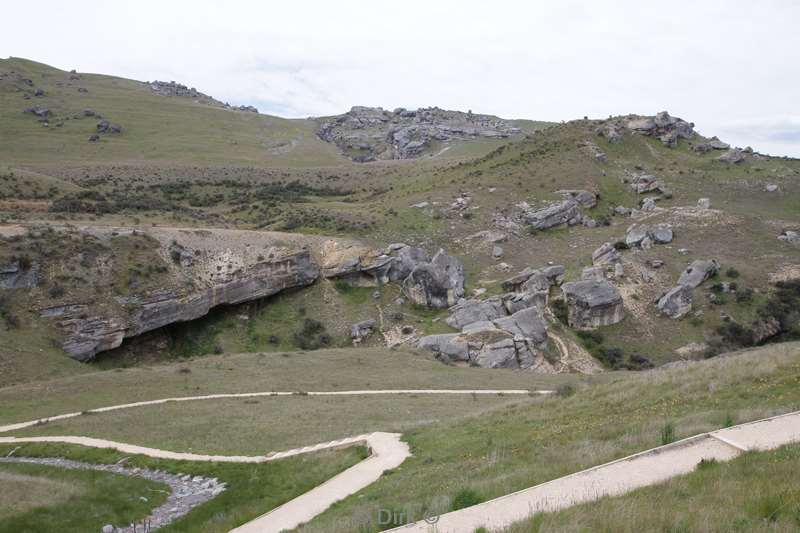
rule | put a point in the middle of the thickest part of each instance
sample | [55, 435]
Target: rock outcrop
[592, 303]
[171, 88]
[19, 275]
[677, 302]
[666, 128]
[644, 236]
[506, 331]
[436, 281]
[567, 212]
[88, 335]
[372, 133]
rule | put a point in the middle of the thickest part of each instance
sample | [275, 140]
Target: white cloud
[713, 62]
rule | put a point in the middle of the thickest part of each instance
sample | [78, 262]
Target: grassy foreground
[253, 489]
[42, 498]
[755, 492]
[526, 444]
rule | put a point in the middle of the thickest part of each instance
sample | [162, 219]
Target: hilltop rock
[592, 304]
[371, 133]
[667, 128]
[732, 156]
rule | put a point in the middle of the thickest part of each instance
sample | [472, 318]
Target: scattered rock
[19, 275]
[94, 137]
[605, 255]
[790, 236]
[732, 156]
[567, 212]
[439, 283]
[697, 272]
[704, 203]
[648, 204]
[645, 183]
[39, 111]
[584, 198]
[771, 187]
[497, 252]
[676, 302]
[362, 329]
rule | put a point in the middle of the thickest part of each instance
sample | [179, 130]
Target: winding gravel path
[387, 451]
[617, 477]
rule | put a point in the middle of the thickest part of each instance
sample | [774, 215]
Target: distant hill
[161, 122]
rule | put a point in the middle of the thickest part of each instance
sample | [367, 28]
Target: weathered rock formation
[372, 133]
[677, 302]
[644, 236]
[88, 335]
[171, 88]
[567, 212]
[506, 331]
[666, 128]
[436, 281]
[17, 275]
[592, 303]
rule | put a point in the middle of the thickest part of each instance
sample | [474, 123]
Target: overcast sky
[732, 67]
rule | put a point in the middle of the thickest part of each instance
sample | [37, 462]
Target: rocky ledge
[372, 133]
[86, 335]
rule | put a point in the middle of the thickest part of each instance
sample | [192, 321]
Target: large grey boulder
[360, 330]
[643, 235]
[645, 183]
[667, 128]
[676, 302]
[697, 272]
[566, 212]
[527, 323]
[451, 345]
[732, 156]
[592, 304]
[439, 283]
[469, 311]
[499, 354]
[585, 198]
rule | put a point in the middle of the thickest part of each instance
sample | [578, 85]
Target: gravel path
[22, 425]
[186, 492]
[617, 477]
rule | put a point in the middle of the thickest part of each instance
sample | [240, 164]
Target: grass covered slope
[41, 498]
[253, 489]
[755, 492]
[154, 128]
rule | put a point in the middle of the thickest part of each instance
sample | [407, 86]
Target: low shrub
[465, 498]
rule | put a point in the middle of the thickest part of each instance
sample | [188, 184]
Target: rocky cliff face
[88, 335]
[372, 133]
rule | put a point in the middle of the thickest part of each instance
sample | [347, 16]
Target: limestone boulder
[592, 304]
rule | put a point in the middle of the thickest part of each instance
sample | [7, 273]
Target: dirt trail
[617, 477]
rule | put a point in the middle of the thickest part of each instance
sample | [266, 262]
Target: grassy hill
[156, 129]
